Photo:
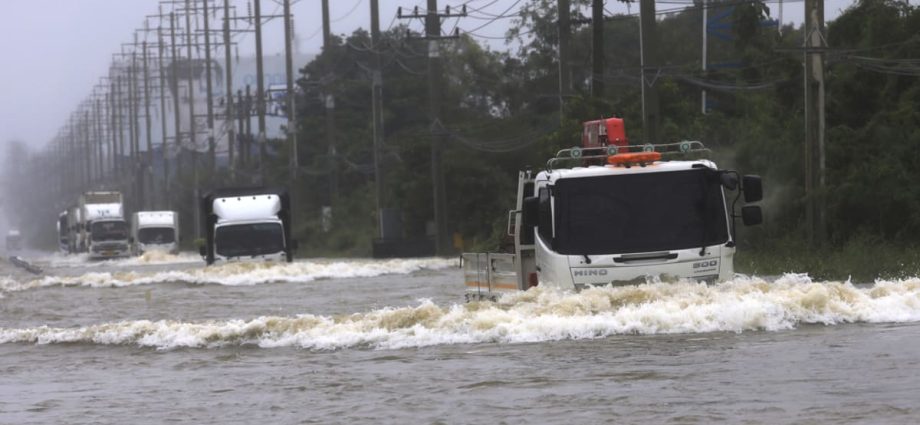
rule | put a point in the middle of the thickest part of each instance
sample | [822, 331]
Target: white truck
[104, 229]
[629, 217]
[74, 230]
[63, 232]
[13, 240]
[154, 231]
[251, 224]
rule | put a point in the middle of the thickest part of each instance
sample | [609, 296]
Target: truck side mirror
[751, 215]
[203, 251]
[729, 180]
[752, 188]
[531, 210]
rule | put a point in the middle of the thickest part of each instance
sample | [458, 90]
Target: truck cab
[637, 217]
[63, 233]
[251, 224]
[154, 231]
[13, 240]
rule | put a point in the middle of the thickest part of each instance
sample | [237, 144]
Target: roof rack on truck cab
[683, 149]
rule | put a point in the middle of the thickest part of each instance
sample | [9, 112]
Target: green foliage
[501, 113]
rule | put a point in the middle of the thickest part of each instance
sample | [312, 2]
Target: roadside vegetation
[502, 112]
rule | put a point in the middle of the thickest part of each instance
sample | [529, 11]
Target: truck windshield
[643, 212]
[156, 235]
[109, 231]
[249, 239]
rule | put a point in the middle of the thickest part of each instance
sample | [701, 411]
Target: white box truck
[250, 224]
[104, 229]
[154, 231]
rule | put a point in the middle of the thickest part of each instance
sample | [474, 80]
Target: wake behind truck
[610, 213]
[250, 224]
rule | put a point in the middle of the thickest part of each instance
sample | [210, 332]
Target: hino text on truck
[609, 213]
[154, 231]
[103, 228]
[247, 224]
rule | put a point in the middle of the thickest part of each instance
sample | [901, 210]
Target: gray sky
[54, 51]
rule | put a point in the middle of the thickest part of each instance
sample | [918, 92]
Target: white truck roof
[155, 218]
[247, 207]
[609, 170]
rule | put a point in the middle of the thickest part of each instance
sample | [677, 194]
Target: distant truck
[637, 216]
[103, 229]
[250, 224]
[74, 226]
[154, 231]
[13, 240]
[63, 232]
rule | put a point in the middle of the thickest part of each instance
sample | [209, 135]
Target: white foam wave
[537, 315]
[58, 260]
[241, 274]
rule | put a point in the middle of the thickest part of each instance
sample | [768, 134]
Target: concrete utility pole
[377, 107]
[650, 70]
[565, 34]
[113, 139]
[174, 82]
[260, 89]
[163, 134]
[148, 162]
[435, 87]
[228, 96]
[100, 138]
[705, 59]
[329, 100]
[597, 48]
[212, 155]
[289, 72]
[120, 123]
[814, 122]
[191, 115]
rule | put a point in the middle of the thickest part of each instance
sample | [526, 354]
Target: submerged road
[162, 339]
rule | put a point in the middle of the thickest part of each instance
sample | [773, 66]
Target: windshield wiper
[587, 259]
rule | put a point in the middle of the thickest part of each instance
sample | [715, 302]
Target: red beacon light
[633, 158]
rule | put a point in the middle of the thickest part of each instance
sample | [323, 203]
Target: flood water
[162, 339]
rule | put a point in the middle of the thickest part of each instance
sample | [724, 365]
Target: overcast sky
[54, 51]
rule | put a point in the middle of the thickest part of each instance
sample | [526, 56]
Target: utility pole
[100, 140]
[814, 122]
[329, 101]
[110, 99]
[120, 122]
[435, 87]
[148, 163]
[705, 6]
[289, 71]
[191, 113]
[377, 107]
[650, 70]
[597, 48]
[212, 155]
[174, 82]
[260, 89]
[565, 34]
[228, 96]
[163, 143]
